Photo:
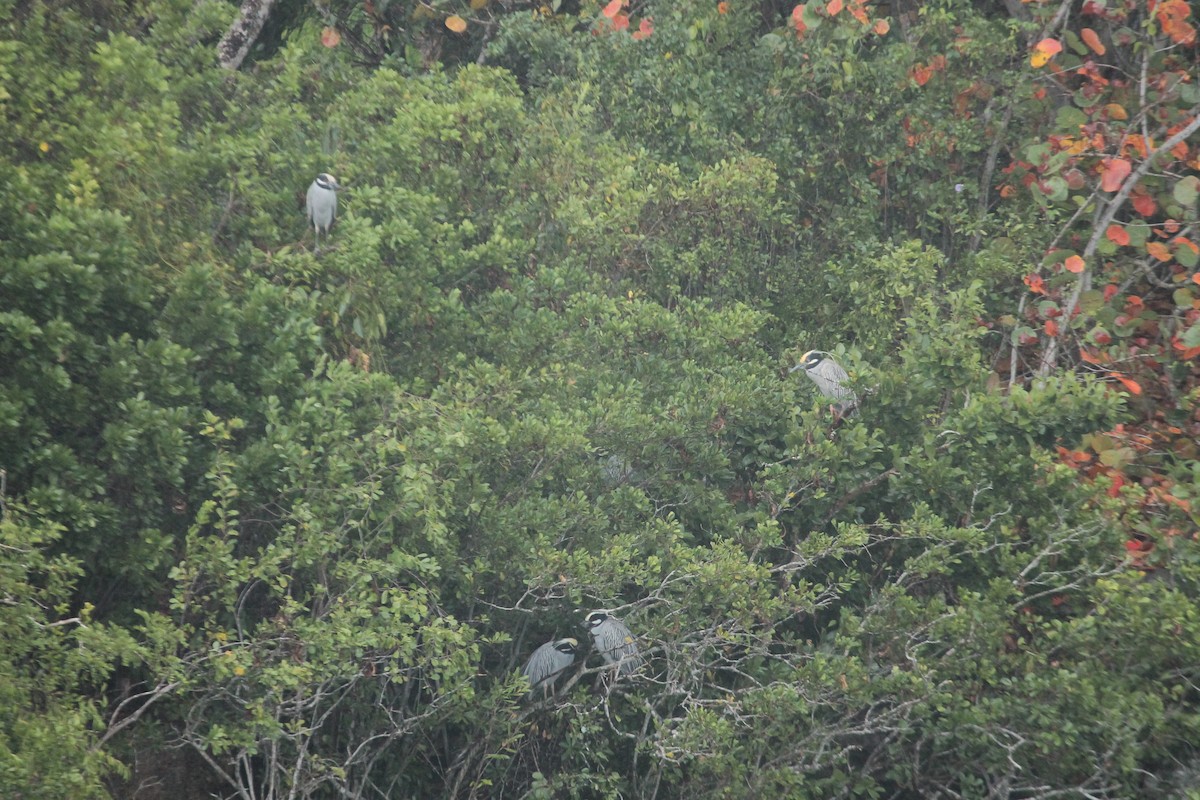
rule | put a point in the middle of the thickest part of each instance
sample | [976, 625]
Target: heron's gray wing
[615, 642]
[545, 665]
[308, 200]
[831, 379]
[538, 667]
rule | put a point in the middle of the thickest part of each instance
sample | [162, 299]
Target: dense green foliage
[279, 523]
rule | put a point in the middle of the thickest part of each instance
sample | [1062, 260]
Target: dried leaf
[456, 23]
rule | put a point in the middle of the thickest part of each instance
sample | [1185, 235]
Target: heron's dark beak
[798, 366]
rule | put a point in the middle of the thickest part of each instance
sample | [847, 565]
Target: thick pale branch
[236, 43]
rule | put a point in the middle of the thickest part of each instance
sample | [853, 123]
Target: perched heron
[321, 203]
[831, 380]
[614, 641]
[547, 663]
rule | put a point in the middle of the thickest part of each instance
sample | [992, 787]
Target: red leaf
[330, 37]
[1144, 204]
[644, 29]
[1114, 171]
[1074, 264]
[834, 7]
[613, 8]
[621, 21]
[1051, 327]
[1117, 235]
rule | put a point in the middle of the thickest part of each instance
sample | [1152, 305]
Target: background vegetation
[279, 524]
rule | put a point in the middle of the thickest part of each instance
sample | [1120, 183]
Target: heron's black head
[566, 646]
[327, 181]
[596, 618]
[809, 360]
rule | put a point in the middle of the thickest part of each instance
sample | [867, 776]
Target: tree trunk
[237, 41]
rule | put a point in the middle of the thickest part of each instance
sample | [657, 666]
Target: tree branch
[1050, 357]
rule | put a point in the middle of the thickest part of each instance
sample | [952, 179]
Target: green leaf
[1070, 118]
[1186, 190]
[1091, 301]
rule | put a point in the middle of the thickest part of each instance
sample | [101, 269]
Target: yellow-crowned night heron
[548, 663]
[831, 380]
[321, 203]
[613, 640]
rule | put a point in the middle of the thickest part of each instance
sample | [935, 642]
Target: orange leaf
[834, 7]
[1092, 40]
[1116, 111]
[330, 37]
[1044, 51]
[921, 74]
[644, 29]
[1179, 241]
[881, 27]
[1115, 171]
[1051, 328]
[1129, 383]
[1137, 142]
[1074, 264]
[1090, 357]
[612, 9]
[722, 7]
[1117, 235]
[1158, 250]
[621, 21]
[456, 23]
